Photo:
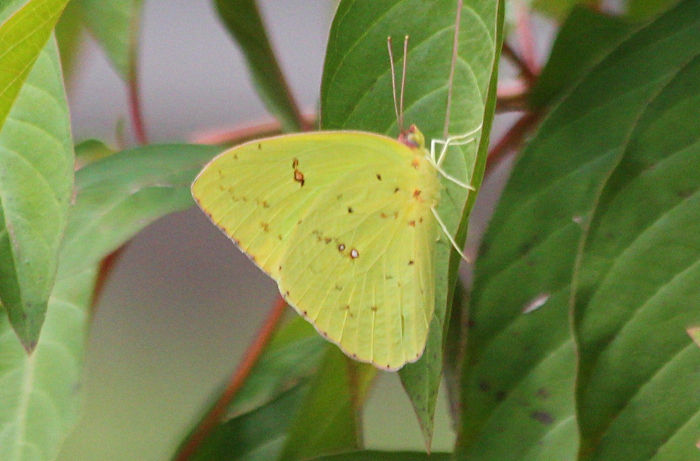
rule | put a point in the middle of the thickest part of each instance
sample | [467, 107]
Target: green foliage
[115, 198]
[328, 421]
[36, 158]
[638, 282]
[258, 435]
[69, 37]
[371, 455]
[293, 355]
[115, 25]
[583, 40]
[643, 9]
[520, 364]
[559, 9]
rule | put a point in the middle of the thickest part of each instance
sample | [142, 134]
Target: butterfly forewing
[342, 221]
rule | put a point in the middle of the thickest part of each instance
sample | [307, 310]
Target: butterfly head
[412, 137]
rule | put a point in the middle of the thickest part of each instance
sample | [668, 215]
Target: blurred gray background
[182, 302]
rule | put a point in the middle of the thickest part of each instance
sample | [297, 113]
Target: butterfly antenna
[393, 83]
[403, 79]
[449, 237]
[450, 80]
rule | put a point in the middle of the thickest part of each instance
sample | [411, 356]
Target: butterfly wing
[256, 192]
[362, 268]
[289, 202]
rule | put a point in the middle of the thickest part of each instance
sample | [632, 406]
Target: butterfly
[345, 223]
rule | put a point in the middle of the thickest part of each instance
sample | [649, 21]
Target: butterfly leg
[447, 234]
[449, 177]
[459, 140]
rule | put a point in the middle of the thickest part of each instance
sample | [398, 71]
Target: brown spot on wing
[298, 175]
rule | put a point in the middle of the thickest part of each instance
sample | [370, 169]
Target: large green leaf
[328, 421]
[293, 354]
[242, 19]
[643, 9]
[256, 436]
[373, 455]
[23, 34]
[583, 40]
[36, 161]
[518, 376]
[559, 9]
[115, 25]
[116, 197]
[638, 289]
[356, 93]
[69, 37]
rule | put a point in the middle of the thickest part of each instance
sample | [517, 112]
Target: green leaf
[242, 20]
[90, 151]
[293, 354]
[454, 346]
[644, 9]
[35, 162]
[115, 25]
[328, 421]
[125, 192]
[36, 178]
[356, 93]
[116, 197]
[256, 436]
[583, 40]
[39, 392]
[518, 372]
[23, 35]
[372, 455]
[69, 36]
[638, 283]
[559, 9]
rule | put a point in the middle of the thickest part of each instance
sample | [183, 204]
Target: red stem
[238, 378]
[135, 109]
[243, 133]
[106, 267]
[522, 66]
[526, 39]
[511, 140]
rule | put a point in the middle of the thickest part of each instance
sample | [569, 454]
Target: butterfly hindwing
[362, 266]
[338, 220]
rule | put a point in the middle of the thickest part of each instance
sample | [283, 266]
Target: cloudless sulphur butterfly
[342, 221]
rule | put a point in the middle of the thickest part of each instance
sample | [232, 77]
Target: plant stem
[526, 39]
[135, 109]
[511, 140]
[247, 132]
[236, 381]
[106, 267]
[512, 97]
[522, 66]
